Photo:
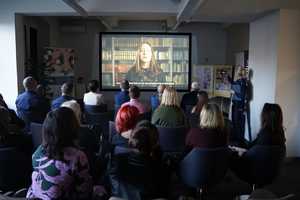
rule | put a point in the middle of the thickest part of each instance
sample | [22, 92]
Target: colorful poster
[203, 74]
[58, 68]
[222, 85]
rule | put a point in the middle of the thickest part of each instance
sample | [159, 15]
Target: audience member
[169, 114]
[137, 172]
[134, 93]
[31, 107]
[211, 132]
[126, 119]
[190, 99]
[80, 88]
[60, 169]
[66, 95]
[156, 98]
[123, 96]
[73, 105]
[93, 97]
[194, 115]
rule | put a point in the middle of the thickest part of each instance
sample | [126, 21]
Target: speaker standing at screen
[145, 68]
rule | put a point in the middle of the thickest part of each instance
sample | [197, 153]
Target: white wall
[288, 77]
[9, 75]
[263, 59]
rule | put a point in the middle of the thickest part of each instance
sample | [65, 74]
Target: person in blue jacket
[156, 98]
[66, 95]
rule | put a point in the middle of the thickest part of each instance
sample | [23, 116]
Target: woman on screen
[145, 68]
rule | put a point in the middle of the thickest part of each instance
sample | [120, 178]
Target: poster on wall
[58, 68]
[214, 79]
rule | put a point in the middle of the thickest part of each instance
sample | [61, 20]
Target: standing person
[145, 68]
[156, 98]
[239, 87]
[134, 93]
[30, 106]
[122, 96]
[60, 169]
[169, 114]
[93, 97]
[66, 95]
[190, 99]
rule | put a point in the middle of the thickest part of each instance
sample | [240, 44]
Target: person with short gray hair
[66, 95]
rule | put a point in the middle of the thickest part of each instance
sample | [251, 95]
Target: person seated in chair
[134, 93]
[194, 115]
[66, 95]
[122, 96]
[211, 132]
[30, 106]
[190, 99]
[137, 174]
[126, 119]
[60, 168]
[169, 114]
[156, 98]
[93, 97]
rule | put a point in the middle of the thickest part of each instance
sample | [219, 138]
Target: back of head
[124, 85]
[29, 83]
[211, 117]
[93, 85]
[60, 129]
[271, 118]
[140, 138]
[67, 88]
[134, 92]
[126, 118]
[40, 90]
[75, 107]
[170, 97]
[195, 86]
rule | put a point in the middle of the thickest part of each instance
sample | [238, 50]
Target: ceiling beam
[74, 4]
[188, 8]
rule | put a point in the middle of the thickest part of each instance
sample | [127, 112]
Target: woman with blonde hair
[211, 132]
[169, 113]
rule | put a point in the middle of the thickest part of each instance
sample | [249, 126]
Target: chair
[112, 130]
[36, 134]
[93, 109]
[172, 139]
[145, 116]
[101, 119]
[203, 168]
[15, 169]
[262, 164]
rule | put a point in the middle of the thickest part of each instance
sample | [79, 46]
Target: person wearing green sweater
[169, 113]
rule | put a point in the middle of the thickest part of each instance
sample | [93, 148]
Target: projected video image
[145, 60]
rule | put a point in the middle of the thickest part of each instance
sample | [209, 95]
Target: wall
[237, 41]
[10, 76]
[288, 77]
[263, 60]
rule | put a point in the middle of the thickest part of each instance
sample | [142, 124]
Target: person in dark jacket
[30, 106]
[66, 95]
[190, 99]
[122, 96]
[211, 132]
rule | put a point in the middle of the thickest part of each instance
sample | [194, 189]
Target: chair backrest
[36, 134]
[93, 109]
[264, 163]
[101, 119]
[145, 116]
[15, 169]
[112, 130]
[172, 139]
[204, 167]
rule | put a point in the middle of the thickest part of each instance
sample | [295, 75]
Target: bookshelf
[119, 55]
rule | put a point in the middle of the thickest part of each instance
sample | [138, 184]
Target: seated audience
[194, 115]
[31, 107]
[211, 132]
[93, 97]
[190, 99]
[169, 114]
[60, 169]
[156, 98]
[137, 174]
[75, 107]
[66, 95]
[126, 119]
[80, 88]
[123, 96]
[134, 93]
